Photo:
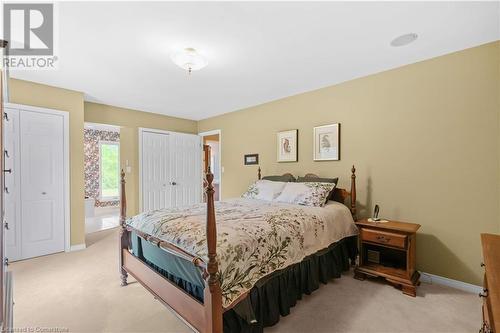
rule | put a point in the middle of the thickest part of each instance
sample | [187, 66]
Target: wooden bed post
[213, 294]
[259, 173]
[353, 193]
[123, 238]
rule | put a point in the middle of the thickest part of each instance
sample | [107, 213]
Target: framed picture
[287, 146]
[251, 159]
[327, 143]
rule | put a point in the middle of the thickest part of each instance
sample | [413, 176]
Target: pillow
[264, 190]
[284, 178]
[321, 180]
[307, 194]
[317, 180]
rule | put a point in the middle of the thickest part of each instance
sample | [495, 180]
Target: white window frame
[113, 143]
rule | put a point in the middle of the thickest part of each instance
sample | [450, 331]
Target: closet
[36, 181]
[169, 169]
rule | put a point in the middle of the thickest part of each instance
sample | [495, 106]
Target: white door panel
[42, 183]
[155, 171]
[12, 193]
[186, 169]
[171, 169]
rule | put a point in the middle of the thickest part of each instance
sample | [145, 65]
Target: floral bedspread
[254, 237]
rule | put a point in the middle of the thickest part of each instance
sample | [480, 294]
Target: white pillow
[264, 190]
[307, 194]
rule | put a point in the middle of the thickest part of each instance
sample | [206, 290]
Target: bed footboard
[204, 317]
[124, 235]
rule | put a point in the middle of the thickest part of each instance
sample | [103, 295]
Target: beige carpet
[80, 291]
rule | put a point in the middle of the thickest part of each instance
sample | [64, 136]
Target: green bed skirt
[272, 296]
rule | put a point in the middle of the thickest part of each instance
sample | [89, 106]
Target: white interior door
[186, 169]
[42, 183]
[155, 169]
[12, 193]
[170, 169]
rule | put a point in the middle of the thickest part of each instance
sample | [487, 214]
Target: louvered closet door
[156, 190]
[186, 169]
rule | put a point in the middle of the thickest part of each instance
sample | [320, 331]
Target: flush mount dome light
[189, 59]
[404, 39]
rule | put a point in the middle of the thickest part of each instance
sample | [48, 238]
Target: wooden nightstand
[388, 250]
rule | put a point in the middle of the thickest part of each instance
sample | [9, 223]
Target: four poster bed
[241, 272]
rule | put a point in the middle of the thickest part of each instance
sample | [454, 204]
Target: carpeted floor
[80, 292]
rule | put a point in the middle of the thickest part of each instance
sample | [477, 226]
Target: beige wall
[425, 141]
[30, 93]
[130, 121]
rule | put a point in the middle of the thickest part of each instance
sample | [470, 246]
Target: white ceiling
[117, 53]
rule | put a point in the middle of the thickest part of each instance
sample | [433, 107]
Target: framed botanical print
[327, 143]
[287, 146]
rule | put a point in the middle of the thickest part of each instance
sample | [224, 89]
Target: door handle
[5, 116]
[174, 183]
[43, 193]
[6, 152]
[7, 190]
[7, 170]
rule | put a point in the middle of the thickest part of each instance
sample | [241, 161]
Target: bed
[237, 265]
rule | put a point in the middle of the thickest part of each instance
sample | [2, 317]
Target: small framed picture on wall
[287, 146]
[251, 159]
[327, 143]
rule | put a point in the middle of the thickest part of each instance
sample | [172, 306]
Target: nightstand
[387, 250]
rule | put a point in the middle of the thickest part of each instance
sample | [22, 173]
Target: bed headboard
[341, 195]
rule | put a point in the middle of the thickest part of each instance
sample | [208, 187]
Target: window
[110, 170]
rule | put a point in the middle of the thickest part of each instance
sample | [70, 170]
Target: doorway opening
[212, 158]
[102, 176]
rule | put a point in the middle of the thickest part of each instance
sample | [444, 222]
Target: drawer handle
[484, 293]
[383, 239]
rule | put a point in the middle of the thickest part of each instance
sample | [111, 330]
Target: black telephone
[375, 213]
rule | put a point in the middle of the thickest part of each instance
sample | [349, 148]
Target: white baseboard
[77, 247]
[436, 279]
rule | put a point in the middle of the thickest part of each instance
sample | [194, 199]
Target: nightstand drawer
[384, 238]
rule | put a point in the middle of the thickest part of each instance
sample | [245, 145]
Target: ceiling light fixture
[404, 39]
[189, 59]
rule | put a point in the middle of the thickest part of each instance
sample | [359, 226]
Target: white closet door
[42, 183]
[156, 191]
[186, 169]
[12, 185]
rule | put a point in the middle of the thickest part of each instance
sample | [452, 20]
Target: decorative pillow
[321, 180]
[264, 190]
[284, 178]
[317, 180]
[307, 194]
